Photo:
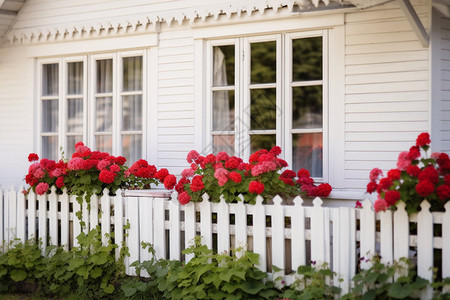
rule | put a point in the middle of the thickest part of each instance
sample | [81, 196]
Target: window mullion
[288, 96]
[279, 92]
[117, 105]
[62, 107]
[245, 109]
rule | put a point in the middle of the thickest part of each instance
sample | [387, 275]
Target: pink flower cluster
[413, 183]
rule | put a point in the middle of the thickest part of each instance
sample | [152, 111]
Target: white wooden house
[341, 86]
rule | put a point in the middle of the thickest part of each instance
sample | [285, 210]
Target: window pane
[263, 109]
[307, 59]
[223, 63]
[104, 76]
[75, 115]
[223, 143]
[263, 62]
[132, 147]
[75, 78]
[49, 115]
[103, 143]
[50, 147]
[307, 107]
[132, 74]
[132, 113]
[50, 80]
[103, 114]
[71, 141]
[258, 142]
[223, 110]
[307, 153]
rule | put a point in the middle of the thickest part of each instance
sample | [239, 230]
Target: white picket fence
[285, 236]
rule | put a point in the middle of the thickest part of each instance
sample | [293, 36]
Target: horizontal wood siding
[16, 113]
[175, 97]
[444, 114]
[387, 98]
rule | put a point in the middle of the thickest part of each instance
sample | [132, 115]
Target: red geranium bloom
[197, 183]
[425, 188]
[256, 187]
[394, 174]
[414, 153]
[371, 187]
[107, 176]
[42, 188]
[192, 156]
[60, 182]
[423, 139]
[33, 157]
[288, 174]
[443, 192]
[161, 174]
[391, 197]
[429, 173]
[233, 162]
[380, 205]
[184, 198]
[413, 170]
[180, 185]
[235, 176]
[323, 190]
[385, 184]
[170, 181]
[287, 180]
[276, 150]
[303, 173]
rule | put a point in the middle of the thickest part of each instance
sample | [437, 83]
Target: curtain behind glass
[132, 74]
[50, 79]
[104, 76]
[221, 106]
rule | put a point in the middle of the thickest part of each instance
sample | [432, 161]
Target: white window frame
[89, 86]
[283, 87]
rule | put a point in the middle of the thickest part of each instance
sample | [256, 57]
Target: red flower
[358, 204]
[323, 190]
[414, 153]
[197, 183]
[89, 163]
[33, 157]
[429, 173]
[106, 176]
[180, 185]
[161, 174]
[60, 182]
[443, 192]
[235, 176]
[374, 174]
[170, 181]
[287, 180]
[425, 188]
[192, 156]
[380, 205]
[305, 181]
[447, 179]
[276, 150]
[423, 139]
[42, 188]
[303, 173]
[385, 184]
[391, 197]
[114, 168]
[394, 174]
[288, 174]
[184, 198]
[413, 170]
[222, 156]
[371, 187]
[233, 162]
[256, 187]
[120, 160]
[403, 160]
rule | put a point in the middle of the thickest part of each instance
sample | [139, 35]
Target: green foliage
[312, 282]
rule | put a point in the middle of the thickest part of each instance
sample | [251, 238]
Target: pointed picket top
[367, 204]
[401, 207]
[259, 200]
[241, 197]
[317, 202]
[298, 201]
[277, 200]
[425, 206]
[106, 192]
[53, 189]
[447, 206]
[222, 201]
[205, 197]
[174, 195]
[174, 200]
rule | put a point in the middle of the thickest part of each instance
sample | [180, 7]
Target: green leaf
[96, 272]
[100, 258]
[109, 289]
[252, 287]
[3, 271]
[75, 263]
[18, 275]
[398, 291]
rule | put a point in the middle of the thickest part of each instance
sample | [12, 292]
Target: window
[270, 90]
[97, 99]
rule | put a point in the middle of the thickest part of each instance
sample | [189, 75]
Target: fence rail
[285, 236]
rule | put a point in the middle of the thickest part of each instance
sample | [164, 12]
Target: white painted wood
[446, 242]
[76, 221]
[352, 249]
[189, 227]
[278, 246]
[1, 214]
[401, 233]
[132, 215]
[367, 233]
[12, 200]
[42, 215]
[223, 225]
[317, 232]
[425, 246]
[159, 231]
[342, 239]
[206, 221]
[31, 199]
[240, 225]
[21, 215]
[65, 229]
[298, 234]
[259, 233]
[106, 216]
[93, 212]
[174, 227]
[6, 227]
[386, 237]
[53, 217]
[145, 225]
[118, 221]
[85, 216]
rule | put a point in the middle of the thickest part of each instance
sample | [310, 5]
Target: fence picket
[31, 215]
[132, 214]
[12, 199]
[206, 221]
[298, 234]
[446, 244]
[174, 233]
[223, 223]
[278, 247]
[145, 221]
[367, 236]
[189, 226]
[2, 239]
[65, 222]
[259, 233]
[6, 215]
[386, 237]
[53, 217]
[21, 216]
[85, 216]
[105, 205]
[342, 236]
[42, 214]
[76, 221]
[317, 232]
[118, 221]
[401, 234]
[240, 225]
[425, 246]
[159, 234]
[93, 212]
